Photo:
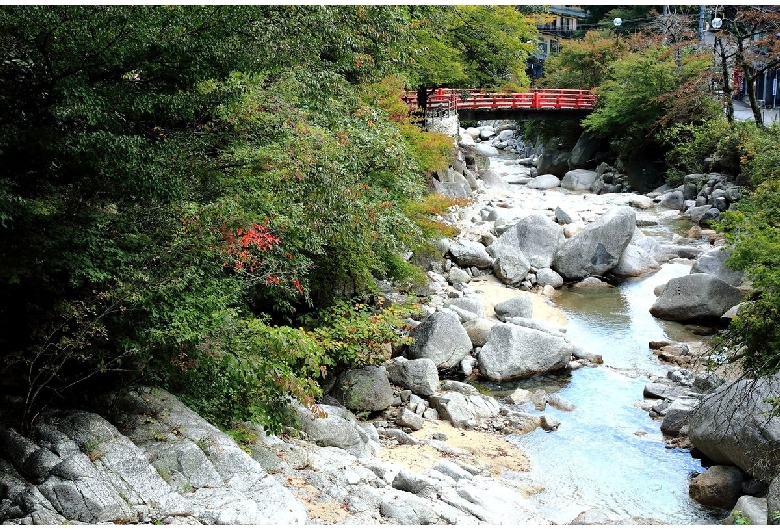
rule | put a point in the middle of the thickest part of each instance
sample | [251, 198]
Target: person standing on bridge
[422, 100]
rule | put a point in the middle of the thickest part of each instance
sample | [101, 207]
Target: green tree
[583, 63]
[171, 175]
[495, 42]
[644, 91]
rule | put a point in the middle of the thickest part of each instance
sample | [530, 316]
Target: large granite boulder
[442, 339]
[472, 304]
[714, 262]
[579, 180]
[733, 426]
[547, 276]
[418, 375]
[514, 351]
[470, 254]
[695, 297]
[535, 236]
[596, 248]
[364, 389]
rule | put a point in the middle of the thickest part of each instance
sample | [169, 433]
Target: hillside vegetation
[193, 197]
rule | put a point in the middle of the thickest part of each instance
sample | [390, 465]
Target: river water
[608, 453]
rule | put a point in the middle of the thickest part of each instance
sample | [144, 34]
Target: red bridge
[475, 103]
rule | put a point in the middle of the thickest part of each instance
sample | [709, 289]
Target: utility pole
[701, 25]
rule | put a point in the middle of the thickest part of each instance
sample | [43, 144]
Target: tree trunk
[728, 102]
[751, 92]
[750, 78]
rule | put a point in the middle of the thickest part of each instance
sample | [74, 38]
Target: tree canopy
[182, 183]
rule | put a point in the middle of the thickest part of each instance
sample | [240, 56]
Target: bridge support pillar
[448, 124]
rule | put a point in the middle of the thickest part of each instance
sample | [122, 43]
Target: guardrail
[549, 98]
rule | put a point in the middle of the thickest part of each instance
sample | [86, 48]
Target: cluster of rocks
[701, 198]
[709, 293]
[730, 425]
[147, 458]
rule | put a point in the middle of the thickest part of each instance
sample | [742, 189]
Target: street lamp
[617, 22]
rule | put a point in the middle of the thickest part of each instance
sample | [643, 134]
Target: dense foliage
[645, 91]
[182, 183]
[656, 95]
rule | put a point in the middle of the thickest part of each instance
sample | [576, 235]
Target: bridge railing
[548, 98]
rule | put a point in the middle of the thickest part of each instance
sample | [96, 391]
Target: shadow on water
[608, 453]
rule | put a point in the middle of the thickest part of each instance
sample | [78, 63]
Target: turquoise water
[608, 453]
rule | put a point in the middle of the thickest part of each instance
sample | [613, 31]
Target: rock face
[596, 248]
[535, 236]
[419, 375]
[442, 339]
[364, 389]
[513, 351]
[731, 426]
[168, 464]
[714, 262]
[695, 297]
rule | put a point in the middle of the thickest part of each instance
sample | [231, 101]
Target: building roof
[569, 11]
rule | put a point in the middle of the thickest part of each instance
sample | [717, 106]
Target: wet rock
[592, 282]
[718, 486]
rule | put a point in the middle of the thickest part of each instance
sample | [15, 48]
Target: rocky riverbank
[411, 441]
